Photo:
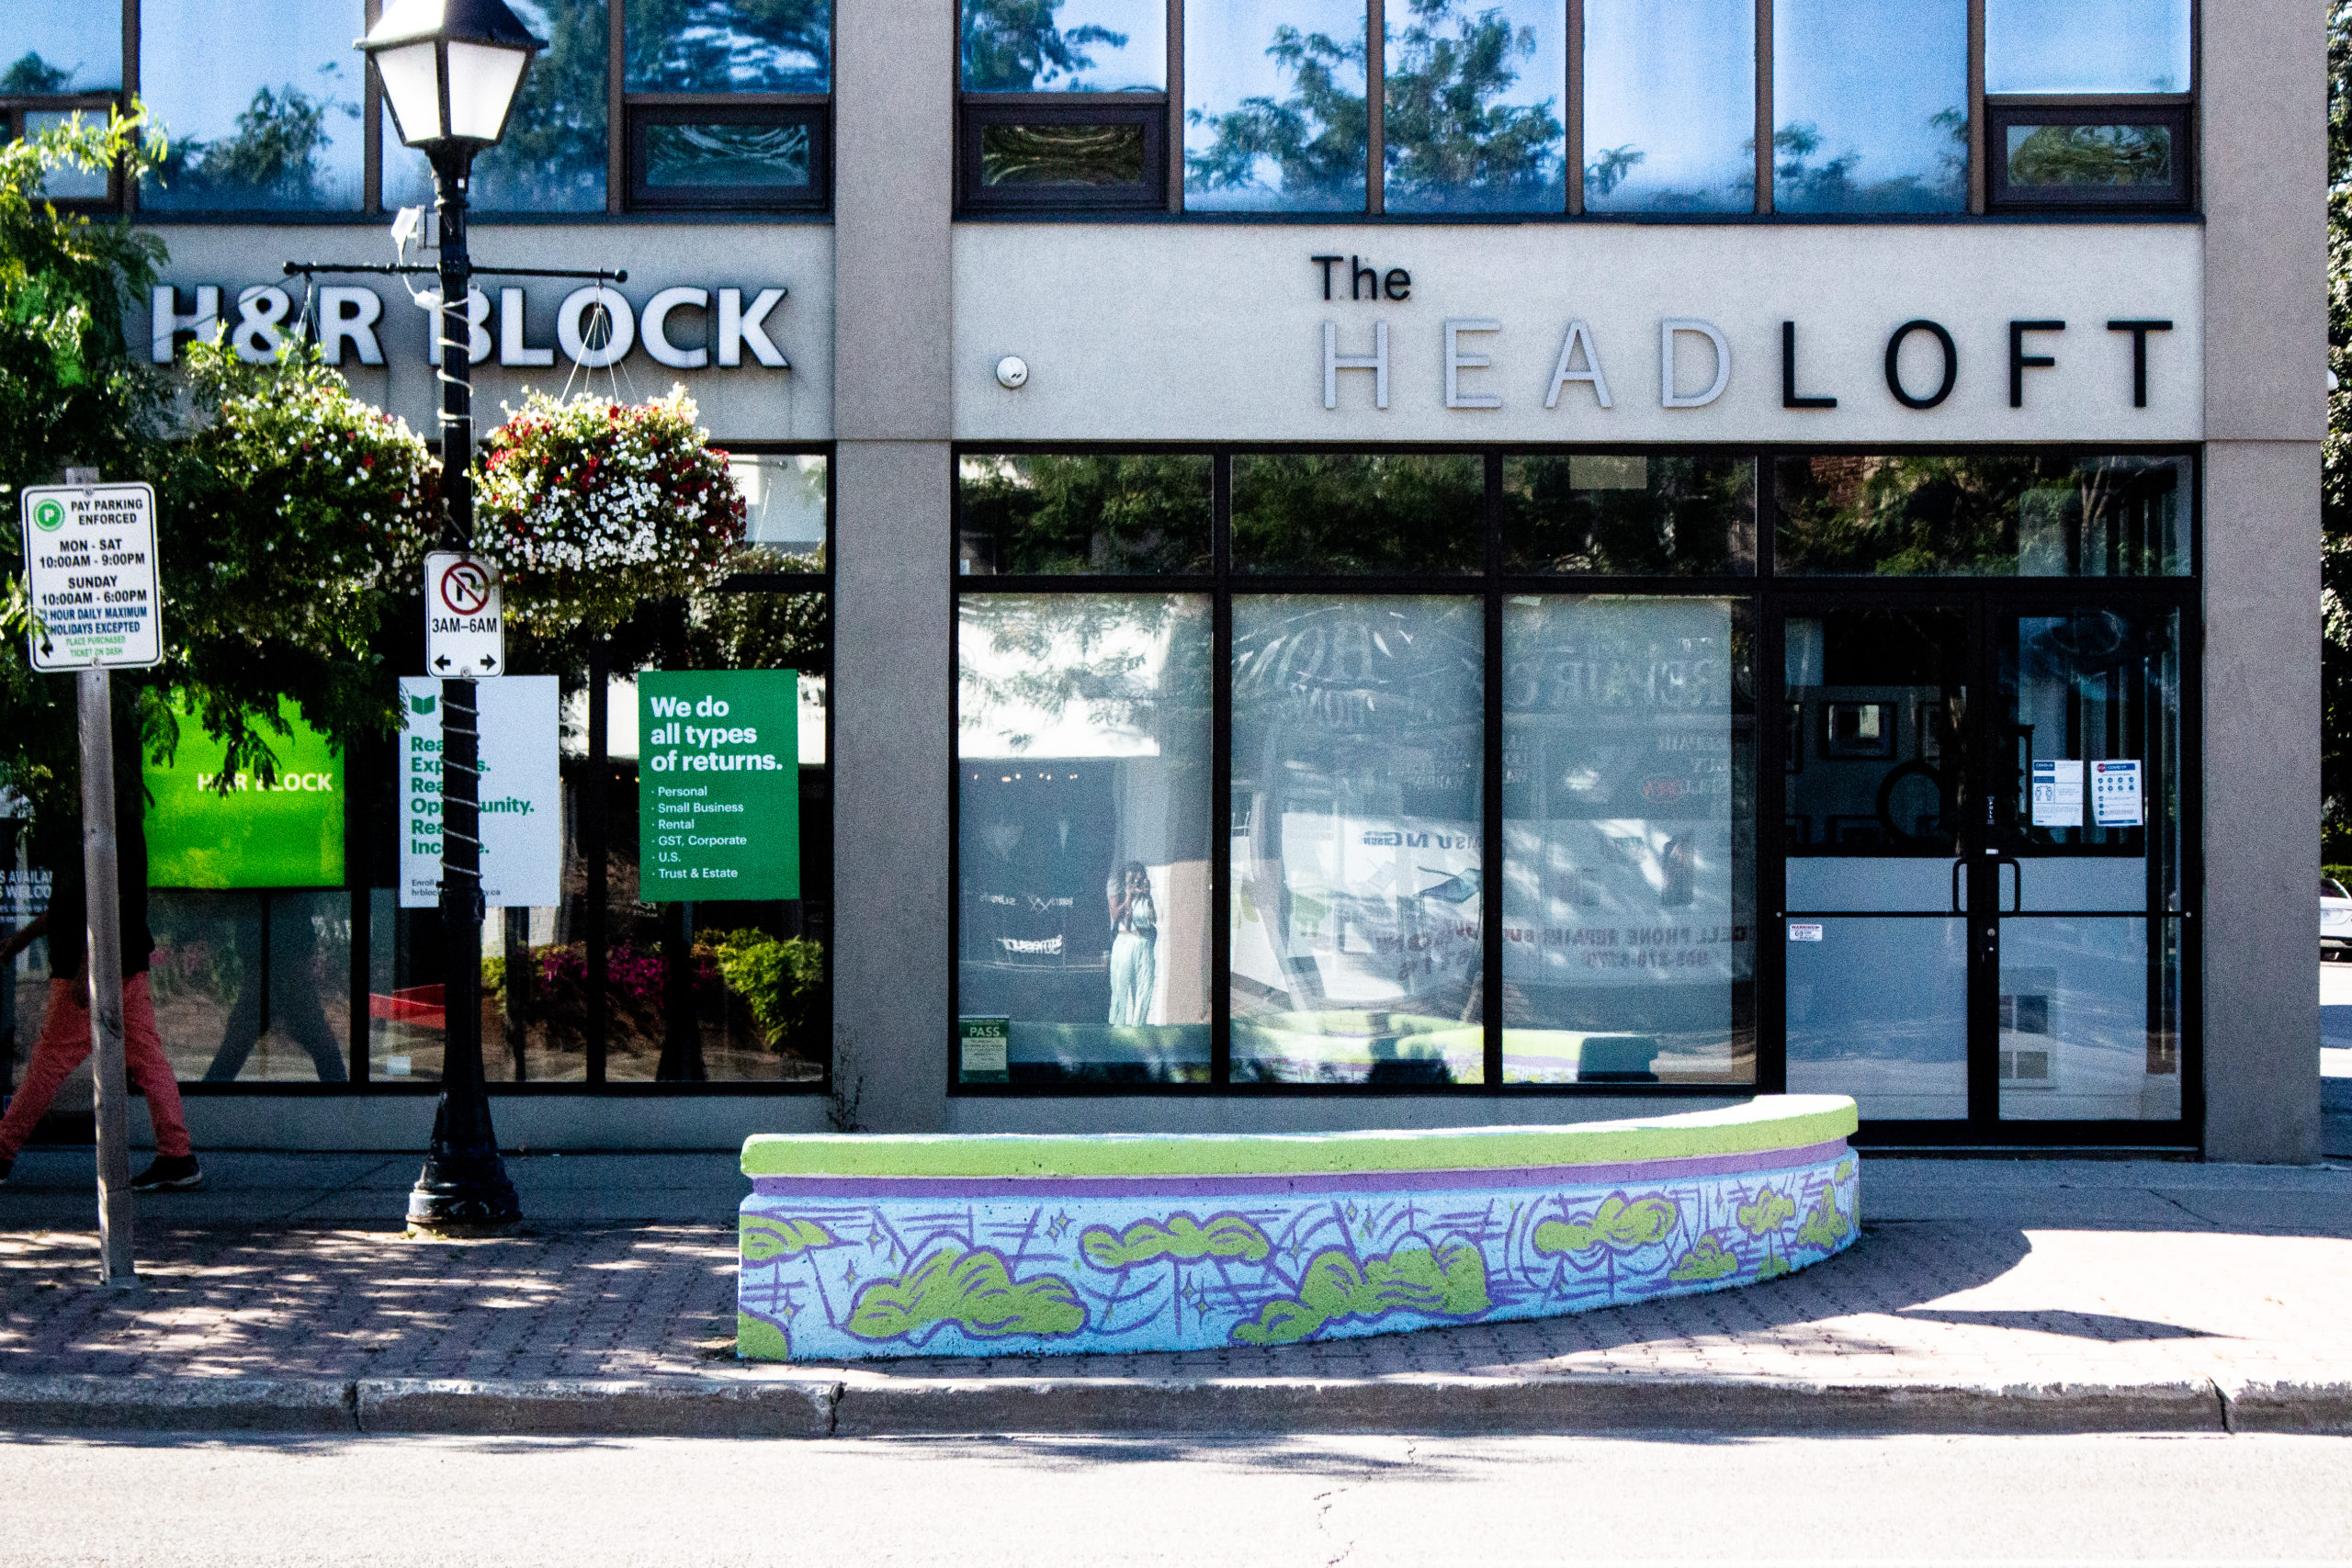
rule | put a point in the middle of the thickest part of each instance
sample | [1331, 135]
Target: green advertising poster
[718, 785]
[284, 834]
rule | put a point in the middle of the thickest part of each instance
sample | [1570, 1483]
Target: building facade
[1655, 554]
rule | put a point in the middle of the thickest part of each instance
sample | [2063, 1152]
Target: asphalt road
[159, 1503]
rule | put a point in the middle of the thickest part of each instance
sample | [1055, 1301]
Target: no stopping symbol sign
[463, 632]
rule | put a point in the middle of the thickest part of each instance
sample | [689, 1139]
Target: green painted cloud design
[1447, 1281]
[1181, 1237]
[765, 1238]
[1825, 1226]
[1708, 1260]
[1620, 1225]
[975, 1291]
[1769, 1212]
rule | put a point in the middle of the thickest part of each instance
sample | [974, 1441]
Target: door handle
[1957, 866]
[2016, 888]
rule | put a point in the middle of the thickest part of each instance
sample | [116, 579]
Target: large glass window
[1405, 512]
[1669, 105]
[1869, 106]
[1628, 819]
[1992, 516]
[1276, 116]
[273, 129]
[1064, 46]
[1633, 514]
[52, 47]
[729, 46]
[1472, 117]
[2086, 46]
[1070, 514]
[1083, 804]
[554, 156]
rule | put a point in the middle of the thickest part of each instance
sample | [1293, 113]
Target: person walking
[64, 1040]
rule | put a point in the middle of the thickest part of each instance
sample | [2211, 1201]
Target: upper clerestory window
[2089, 104]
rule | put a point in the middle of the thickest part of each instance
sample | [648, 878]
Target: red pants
[66, 1043]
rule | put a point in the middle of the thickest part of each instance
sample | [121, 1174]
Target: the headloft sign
[684, 327]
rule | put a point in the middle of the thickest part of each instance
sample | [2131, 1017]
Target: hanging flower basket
[590, 506]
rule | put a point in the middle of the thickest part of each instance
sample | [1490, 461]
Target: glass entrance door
[1983, 920]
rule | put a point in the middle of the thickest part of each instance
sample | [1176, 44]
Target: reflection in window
[69, 183]
[553, 156]
[2090, 686]
[729, 46]
[707, 155]
[1275, 118]
[1069, 513]
[1628, 800]
[1065, 46]
[273, 129]
[2057, 158]
[1084, 832]
[52, 47]
[1636, 516]
[1067, 152]
[2086, 46]
[784, 504]
[1969, 517]
[1356, 916]
[1471, 121]
[1669, 105]
[2078, 1040]
[1869, 102]
[253, 987]
[1351, 513]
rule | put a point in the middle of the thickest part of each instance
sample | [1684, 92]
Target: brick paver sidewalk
[1946, 1299]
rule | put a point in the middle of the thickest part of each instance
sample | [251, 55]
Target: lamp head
[450, 70]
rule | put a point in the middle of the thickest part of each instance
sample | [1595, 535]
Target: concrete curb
[819, 1404]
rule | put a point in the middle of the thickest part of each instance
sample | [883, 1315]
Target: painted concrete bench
[860, 1246]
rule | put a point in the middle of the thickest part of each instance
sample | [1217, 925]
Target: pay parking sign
[90, 575]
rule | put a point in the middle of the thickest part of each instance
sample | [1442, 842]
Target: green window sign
[288, 833]
[718, 785]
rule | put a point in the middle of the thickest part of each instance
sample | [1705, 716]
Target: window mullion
[1375, 104]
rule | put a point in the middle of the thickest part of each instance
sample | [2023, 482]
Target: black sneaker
[170, 1173]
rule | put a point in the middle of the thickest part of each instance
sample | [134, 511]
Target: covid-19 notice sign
[718, 785]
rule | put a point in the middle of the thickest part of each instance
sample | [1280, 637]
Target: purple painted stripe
[1302, 1181]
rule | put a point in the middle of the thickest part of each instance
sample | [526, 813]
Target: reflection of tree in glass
[1061, 155]
[1448, 141]
[30, 74]
[1609, 168]
[1800, 185]
[717, 46]
[553, 154]
[1315, 138]
[1086, 514]
[1356, 512]
[1046, 655]
[1012, 46]
[273, 161]
[1678, 515]
[2093, 156]
[1975, 516]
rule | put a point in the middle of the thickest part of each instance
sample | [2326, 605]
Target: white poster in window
[2057, 792]
[2116, 800]
[521, 792]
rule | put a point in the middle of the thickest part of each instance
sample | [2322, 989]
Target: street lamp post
[449, 70]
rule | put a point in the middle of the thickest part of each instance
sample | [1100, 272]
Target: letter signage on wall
[718, 785]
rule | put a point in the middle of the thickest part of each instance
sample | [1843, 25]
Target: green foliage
[1449, 143]
[1802, 185]
[1351, 513]
[1012, 46]
[2093, 156]
[32, 75]
[1317, 138]
[757, 631]
[1062, 513]
[272, 162]
[974, 1291]
[780, 979]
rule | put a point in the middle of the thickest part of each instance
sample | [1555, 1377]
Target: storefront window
[1352, 513]
[1275, 118]
[52, 48]
[2086, 46]
[1357, 840]
[1065, 46]
[1083, 513]
[553, 156]
[1629, 813]
[1973, 516]
[273, 129]
[1669, 105]
[1662, 515]
[1084, 841]
[1869, 105]
[1472, 119]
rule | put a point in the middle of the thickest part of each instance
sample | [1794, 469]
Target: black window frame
[2175, 112]
[979, 111]
[643, 111]
[14, 108]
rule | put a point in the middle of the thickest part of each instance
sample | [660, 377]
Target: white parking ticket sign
[90, 574]
[463, 632]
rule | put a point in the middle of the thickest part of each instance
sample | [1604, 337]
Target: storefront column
[2265, 195]
[894, 180]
